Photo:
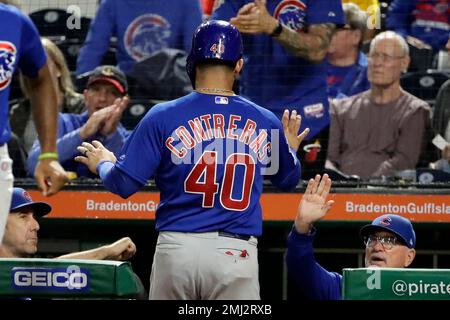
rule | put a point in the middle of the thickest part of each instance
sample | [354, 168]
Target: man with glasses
[390, 241]
[379, 131]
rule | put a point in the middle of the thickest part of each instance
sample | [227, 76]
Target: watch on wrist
[276, 32]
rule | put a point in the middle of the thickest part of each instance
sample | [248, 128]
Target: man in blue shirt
[101, 120]
[142, 27]
[390, 241]
[21, 49]
[21, 233]
[347, 64]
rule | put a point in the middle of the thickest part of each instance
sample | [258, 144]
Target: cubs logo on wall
[7, 59]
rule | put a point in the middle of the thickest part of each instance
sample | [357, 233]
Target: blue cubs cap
[396, 224]
[214, 40]
[21, 199]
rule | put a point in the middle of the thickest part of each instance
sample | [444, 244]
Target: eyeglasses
[345, 27]
[383, 56]
[387, 242]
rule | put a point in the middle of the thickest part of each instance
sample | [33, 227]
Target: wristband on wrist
[277, 31]
[48, 155]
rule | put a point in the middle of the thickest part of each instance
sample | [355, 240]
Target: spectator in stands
[379, 131]
[347, 64]
[422, 21]
[22, 50]
[286, 44]
[441, 125]
[141, 28]
[390, 241]
[68, 100]
[101, 120]
[21, 238]
[373, 11]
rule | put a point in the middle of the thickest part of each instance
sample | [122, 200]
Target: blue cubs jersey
[141, 27]
[277, 79]
[208, 155]
[20, 47]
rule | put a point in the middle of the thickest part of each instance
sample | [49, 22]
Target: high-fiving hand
[291, 125]
[93, 154]
[314, 204]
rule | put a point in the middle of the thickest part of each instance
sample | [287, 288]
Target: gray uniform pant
[206, 266]
[6, 185]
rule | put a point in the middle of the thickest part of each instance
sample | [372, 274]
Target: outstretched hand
[93, 154]
[291, 125]
[314, 204]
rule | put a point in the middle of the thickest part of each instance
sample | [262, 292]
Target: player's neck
[215, 81]
[220, 91]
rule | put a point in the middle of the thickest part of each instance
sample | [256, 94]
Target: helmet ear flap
[214, 40]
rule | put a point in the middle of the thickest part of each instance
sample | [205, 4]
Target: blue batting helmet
[214, 40]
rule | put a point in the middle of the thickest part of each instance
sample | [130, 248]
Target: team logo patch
[291, 13]
[314, 110]
[386, 221]
[26, 195]
[7, 60]
[145, 35]
[221, 100]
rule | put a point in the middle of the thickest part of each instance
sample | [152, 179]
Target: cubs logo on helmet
[145, 35]
[7, 60]
[386, 221]
[291, 13]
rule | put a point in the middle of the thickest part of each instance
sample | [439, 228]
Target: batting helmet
[214, 40]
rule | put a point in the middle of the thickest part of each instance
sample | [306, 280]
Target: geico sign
[50, 278]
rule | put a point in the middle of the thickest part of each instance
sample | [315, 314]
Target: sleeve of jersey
[284, 159]
[33, 56]
[399, 16]
[97, 40]
[310, 277]
[227, 9]
[192, 21]
[138, 159]
[325, 11]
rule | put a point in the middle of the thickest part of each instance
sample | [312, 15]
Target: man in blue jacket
[142, 27]
[390, 241]
[105, 86]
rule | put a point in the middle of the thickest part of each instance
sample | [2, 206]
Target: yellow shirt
[363, 4]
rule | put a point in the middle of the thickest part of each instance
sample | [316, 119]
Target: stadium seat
[50, 22]
[424, 84]
[136, 110]
[53, 23]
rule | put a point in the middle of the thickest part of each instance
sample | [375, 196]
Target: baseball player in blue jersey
[208, 152]
[21, 48]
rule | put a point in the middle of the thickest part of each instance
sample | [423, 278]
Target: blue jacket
[427, 20]
[312, 279]
[69, 139]
[355, 80]
[141, 27]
